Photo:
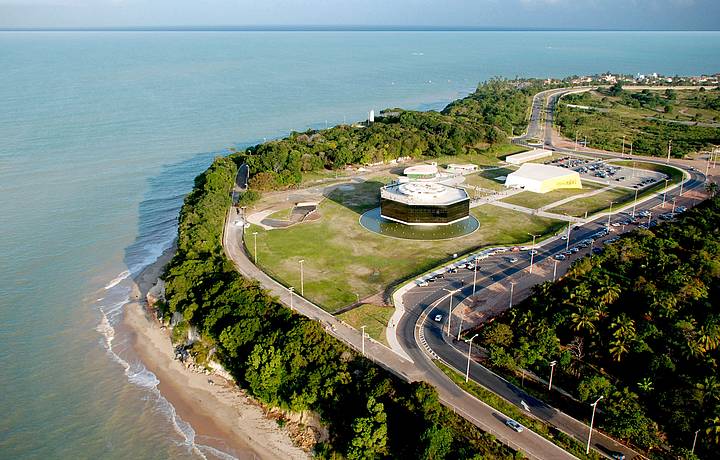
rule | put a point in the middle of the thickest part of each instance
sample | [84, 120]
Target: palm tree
[709, 390]
[714, 429]
[711, 188]
[609, 292]
[646, 385]
[584, 318]
[618, 349]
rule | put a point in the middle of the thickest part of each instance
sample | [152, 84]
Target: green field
[537, 200]
[375, 317]
[486, 178]
[595, 203]
[343, 259]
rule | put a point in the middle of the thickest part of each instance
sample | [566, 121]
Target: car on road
[438, 318]
[422, 283]
[574, 250]
[564, 237]
[617, 455]
[514, 425]
[512, 260]
[452, 270]
[597, 250]
[560, 257]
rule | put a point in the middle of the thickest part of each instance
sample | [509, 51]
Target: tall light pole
[609, 215]
[682, 183]
[623, 147]
[363, 332]
[555, 270]
[512, 288]
[669, 150]
[692, 451]
[302, 278]
[255, 237]
[450, 308]
[631, 148]
[467, 371]
[244, 219]
[673, 207]
[635, 202]
[665, 193]
[532, 253]
[475, 275]
[592, 420]
[552, 369]
[567, 240]
[291, 289]
[649, 218]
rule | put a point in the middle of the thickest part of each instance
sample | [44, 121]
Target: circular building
[421, 172]
[424, 203]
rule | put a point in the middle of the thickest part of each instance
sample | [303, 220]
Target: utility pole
[450, 309]
[467, 372]
[302, 278]
[363, 339]
[555, 270]
[552, 368]
[635, 202]
[475, 276]
[512, 288]
[673, 207]
[532, 252]
[255, 237]
[623, 147]
[592, 420]
[567, 240]
[609, 215]
[665, 193]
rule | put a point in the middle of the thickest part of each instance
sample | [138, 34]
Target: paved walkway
[537, 212]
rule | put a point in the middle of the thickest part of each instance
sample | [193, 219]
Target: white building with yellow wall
[540, 178]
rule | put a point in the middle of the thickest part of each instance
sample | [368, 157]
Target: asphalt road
[416, 328]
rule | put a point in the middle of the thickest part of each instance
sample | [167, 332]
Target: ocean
[101, 135]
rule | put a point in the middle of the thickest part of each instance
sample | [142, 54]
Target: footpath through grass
[342, 259]
[537, 200]
[543, 429]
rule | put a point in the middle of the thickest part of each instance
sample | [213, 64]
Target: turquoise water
[100, 136]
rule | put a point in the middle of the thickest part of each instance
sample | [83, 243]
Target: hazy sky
[608, 14]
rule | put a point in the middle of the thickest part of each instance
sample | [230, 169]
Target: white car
[512, 260]
[514, 425]
[422, 283]
[438, 318]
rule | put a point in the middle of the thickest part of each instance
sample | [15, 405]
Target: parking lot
[610, 174]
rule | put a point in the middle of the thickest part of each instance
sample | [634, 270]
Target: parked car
[512, 260]
[560, 257]
[597, 250]
[438, 318]
[422, 283]
[617, 455]
[514, 425]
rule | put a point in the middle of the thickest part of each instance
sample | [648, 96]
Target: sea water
[101, 135]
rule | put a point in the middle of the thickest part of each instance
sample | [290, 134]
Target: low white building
[540, 178]
[463, 169]
[530, 155]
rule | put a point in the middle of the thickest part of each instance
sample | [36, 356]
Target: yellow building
[539, 178]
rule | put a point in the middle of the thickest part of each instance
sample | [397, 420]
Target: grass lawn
[537, 200]
[375, 317]
[595, 203]
[490, 156]
[486, 179]
[343, 259]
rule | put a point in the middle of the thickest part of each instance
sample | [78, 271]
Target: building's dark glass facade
[424, 214]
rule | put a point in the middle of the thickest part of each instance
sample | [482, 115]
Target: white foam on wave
[117, 280]
[139, 375]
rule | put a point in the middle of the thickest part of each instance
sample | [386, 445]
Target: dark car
[617, 455]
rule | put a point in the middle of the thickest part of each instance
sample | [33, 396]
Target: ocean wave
[117, 280]
[139, 375]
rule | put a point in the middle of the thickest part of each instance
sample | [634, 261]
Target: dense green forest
[285, 360]
[469, 125]
[648, 120]
[639, 325]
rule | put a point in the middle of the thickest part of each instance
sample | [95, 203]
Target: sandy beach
[222, 416]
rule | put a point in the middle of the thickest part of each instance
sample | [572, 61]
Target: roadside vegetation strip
[543, 429]
[375, 317]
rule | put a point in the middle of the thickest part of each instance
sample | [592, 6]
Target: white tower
[371, 116]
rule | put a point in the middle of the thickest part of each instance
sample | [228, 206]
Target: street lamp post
[291, 289]
[467, 371]
[512, 288]
[475, 275]
[592, 420]
[672, 213]
[450, 308]
[623, 147]
[567, 240]
[302, 278]
[363, 339]
[555, 270]
[682, 183]
[692, 451]
[669, 150]
[552, 369]
[255, 254]
[609, 215]
[532, 253]
[665, 193]
[635, 202]
[462, 318]
[649, 218]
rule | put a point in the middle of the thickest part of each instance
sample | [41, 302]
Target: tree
[438, 441]
[370, 433]
[498, 333]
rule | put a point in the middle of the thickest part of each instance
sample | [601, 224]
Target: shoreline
[219, 412]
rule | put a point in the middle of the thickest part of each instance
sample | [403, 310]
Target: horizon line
[329, 28]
